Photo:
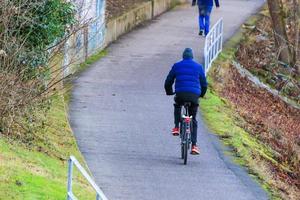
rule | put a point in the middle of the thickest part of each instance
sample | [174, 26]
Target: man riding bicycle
[190, 85]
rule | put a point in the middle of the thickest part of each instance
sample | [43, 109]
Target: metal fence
[70, 196]
[213, 44]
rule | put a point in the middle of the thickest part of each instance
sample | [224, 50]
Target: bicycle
[185, 131]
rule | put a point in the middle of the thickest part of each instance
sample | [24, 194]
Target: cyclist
[205, 8]
[190, 84]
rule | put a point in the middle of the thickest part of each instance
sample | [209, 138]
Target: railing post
[70, 177]
[222, 27]
[213, 44]
[97, 197]
[74, 162]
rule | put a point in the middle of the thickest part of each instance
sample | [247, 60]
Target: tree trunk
[280, 35]
[297, 29]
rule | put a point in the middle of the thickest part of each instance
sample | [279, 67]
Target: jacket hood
[188, 54]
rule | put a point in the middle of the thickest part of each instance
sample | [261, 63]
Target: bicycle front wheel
[182, 140]
[182, 151]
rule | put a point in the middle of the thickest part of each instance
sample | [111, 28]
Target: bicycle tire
[185, 148]
[182, 151]
[181, 140]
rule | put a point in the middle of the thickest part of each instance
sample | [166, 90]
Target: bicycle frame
[186, 119]
[185, 132]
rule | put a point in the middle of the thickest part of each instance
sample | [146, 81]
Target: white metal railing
[70, 196]
[213, 44]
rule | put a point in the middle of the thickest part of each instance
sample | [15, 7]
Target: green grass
[41, 173]
[222, 119]
[247, 150]
[81, 68]
[90, 60]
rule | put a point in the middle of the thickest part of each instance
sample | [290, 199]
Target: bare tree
[296, 6]
[280, 34]
[26, 73]
[33, 35]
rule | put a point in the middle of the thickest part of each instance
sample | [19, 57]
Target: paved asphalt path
[122, 118]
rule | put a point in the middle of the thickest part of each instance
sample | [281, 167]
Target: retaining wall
[98, 34]
[146, 11]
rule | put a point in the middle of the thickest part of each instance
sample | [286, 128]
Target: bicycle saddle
[187, 104]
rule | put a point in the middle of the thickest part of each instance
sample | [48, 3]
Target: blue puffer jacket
[207, 2]
[189, 77]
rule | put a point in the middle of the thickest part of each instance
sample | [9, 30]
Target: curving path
[122, 118]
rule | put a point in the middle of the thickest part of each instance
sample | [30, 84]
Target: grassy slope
[41, 173]
[222, 120]
[31, 174]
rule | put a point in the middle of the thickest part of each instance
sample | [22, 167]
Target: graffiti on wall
[97, 28]
[88, 35]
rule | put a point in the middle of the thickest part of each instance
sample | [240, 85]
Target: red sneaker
[195, 150]
[175, 131]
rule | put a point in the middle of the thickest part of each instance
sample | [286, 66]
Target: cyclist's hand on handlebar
[170, 93]
[193, 3]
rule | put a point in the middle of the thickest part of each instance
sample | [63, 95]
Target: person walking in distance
[205, 8]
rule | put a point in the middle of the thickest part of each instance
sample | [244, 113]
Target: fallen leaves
[271, 120]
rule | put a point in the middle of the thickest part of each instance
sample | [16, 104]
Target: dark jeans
[180, 99]
[204, 18]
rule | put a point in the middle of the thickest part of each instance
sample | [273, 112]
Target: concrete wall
[160, 6]
[88, 36]
[96, 34]
[146, 11]
[123, 24]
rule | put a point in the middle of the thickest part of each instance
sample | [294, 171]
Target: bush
[31, 32]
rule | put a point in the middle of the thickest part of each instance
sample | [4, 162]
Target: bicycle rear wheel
[185, 150]
[185, 145]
